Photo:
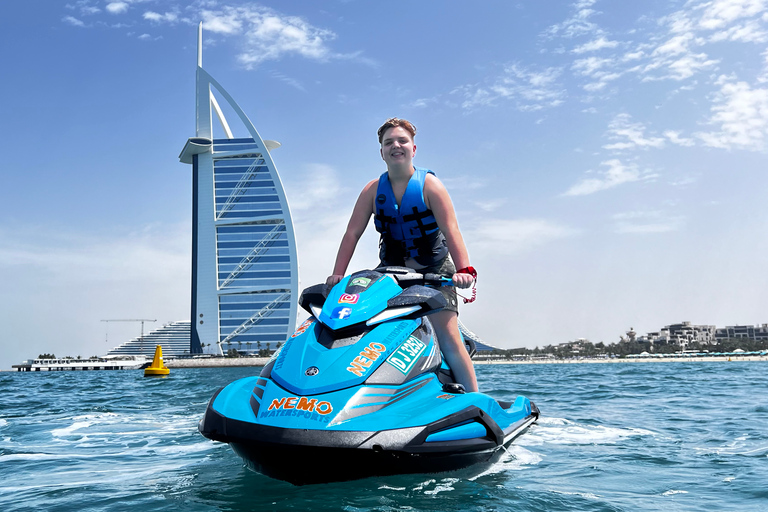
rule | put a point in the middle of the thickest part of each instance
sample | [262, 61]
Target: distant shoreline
[261, 361]
[713, 359]
[241, 362]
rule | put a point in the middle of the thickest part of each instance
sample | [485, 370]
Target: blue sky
[607, 160]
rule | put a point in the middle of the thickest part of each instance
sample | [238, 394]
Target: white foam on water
[32, 456]
[516, 458]
[729, 479]
[586, 495]
[444, 485]
[739, 446]
[3, 423]
[90, 427]
[421, 486]
[70, 430]
[119, 475]
[672, 492]
[563, 431]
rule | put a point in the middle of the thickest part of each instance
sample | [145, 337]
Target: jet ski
[361, 389]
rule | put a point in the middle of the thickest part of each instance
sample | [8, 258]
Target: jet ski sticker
[301, 404]
[303, 327]
[360, 281]
[341, 313]
[359, 365]
[406, 354]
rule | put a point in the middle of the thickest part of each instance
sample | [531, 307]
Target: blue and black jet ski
[361, 389]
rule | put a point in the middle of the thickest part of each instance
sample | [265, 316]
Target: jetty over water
[67, 364]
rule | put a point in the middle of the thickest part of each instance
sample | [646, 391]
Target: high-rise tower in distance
[244, 261]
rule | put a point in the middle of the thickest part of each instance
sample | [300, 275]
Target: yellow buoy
[157, 367]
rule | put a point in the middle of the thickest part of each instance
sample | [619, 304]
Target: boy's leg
[446, 326]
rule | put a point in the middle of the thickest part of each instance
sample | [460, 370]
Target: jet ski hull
[305, 456]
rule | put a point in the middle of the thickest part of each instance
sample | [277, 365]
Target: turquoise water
[685, 436]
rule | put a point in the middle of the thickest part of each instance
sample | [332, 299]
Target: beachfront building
[750, 332]
[681, 335]
[173, 337]
[244, 261]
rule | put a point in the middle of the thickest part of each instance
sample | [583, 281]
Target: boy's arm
[361, 214]
[437, 199]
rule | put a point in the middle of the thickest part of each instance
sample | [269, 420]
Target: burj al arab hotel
[244, 262]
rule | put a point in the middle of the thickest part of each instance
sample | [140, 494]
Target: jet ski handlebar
[406, 277]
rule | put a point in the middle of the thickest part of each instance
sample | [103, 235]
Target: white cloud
[149, 254]
[85, 7]
[675, 58]
[595, 45]
[617, 174]
[630, 135]
[268, 34]
[490, 205]
[73, 21]
[578, 24]
[593, 67]
[741, 113]
[719, 13]
[117, 7]
[512, 236]
[530, 90]
[646, 222]
[679, 56]
[590, 65]
[763, 78]
[168, 17]
[320, 187]
[288, 80]
[423, 102]
[750, 32]
[684, 181]
[675, 138]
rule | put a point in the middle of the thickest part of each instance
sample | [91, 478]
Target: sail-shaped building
[244, 261]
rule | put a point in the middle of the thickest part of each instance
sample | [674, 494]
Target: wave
[563, 431]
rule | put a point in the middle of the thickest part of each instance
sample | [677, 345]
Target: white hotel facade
[244, 261]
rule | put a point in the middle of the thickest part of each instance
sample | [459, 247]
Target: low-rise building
[750, 332]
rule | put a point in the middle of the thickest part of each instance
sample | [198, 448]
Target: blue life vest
[410, 230]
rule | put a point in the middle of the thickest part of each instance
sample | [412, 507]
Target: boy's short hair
[394, 121]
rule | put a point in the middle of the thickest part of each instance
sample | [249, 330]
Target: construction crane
[142, 320]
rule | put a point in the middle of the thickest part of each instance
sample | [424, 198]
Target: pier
[63, 365]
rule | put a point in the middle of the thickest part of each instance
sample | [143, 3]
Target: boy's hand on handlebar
[463, 280]
[332, 280]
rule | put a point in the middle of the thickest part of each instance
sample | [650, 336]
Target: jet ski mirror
[313, 296]
[429, 299]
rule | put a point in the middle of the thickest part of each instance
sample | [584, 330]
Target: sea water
[687, 436]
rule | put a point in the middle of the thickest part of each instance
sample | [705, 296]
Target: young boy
[415, 217]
